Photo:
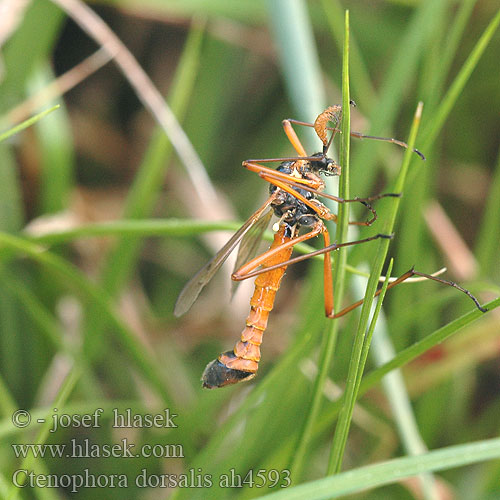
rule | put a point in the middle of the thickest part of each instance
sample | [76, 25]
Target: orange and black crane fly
[293, 197]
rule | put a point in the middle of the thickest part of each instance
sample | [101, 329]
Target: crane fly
[295, 186]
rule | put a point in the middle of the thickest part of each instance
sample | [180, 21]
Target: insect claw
[419, 154]
[386, 236]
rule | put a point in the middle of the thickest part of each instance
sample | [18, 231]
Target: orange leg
[360, 135]
[239, 276]
[327, 277]
[312, 184]
[244, 272]
[292, 137]
[281, 180]
[364, 201]
[404, 277]
[328, 286]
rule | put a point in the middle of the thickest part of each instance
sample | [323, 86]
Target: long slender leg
[276, 178]
[363, 201]
[268, 174]
[292, 137]
[238, 276]
[295, 181]
[360, 135]
[329, 295]
[285, 181]
[327, 277]
[276, 174]
[244, 272]
[404, 277]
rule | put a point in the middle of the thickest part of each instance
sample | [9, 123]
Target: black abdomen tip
[217, 374]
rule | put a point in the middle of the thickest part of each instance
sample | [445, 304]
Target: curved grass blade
[27, 123]
[356, 366]
[391, 471]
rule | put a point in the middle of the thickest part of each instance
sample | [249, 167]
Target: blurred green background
[102, 225]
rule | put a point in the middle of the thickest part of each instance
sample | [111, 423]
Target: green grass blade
[409, 354]
[399, 400]
[11, 206]
[373, 324]
[27, 123]
[415, 350]
[355, 367]
[330, 337]
[391, 471]
[56, 151]
[136, 228]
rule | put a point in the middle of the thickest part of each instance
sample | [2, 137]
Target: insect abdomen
[243, 362]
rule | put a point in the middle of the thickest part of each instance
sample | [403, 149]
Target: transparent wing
[194, 286]
[250, 244]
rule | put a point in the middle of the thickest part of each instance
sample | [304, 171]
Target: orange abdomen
[242, 363]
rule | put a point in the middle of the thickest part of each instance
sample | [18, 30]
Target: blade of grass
[391, 471]
[415, 350]
[412, 232]
[355, 367]
[399, 400]
[406, 356]
[373, 324]
[412, 229]
[27, 123]
[330, 337]
[131, 228]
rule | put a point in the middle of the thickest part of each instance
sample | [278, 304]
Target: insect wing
[250, 244]
[194, 286]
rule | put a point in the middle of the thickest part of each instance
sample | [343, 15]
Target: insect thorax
[287, 207]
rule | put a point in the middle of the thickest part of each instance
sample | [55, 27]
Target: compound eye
[333, 168]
